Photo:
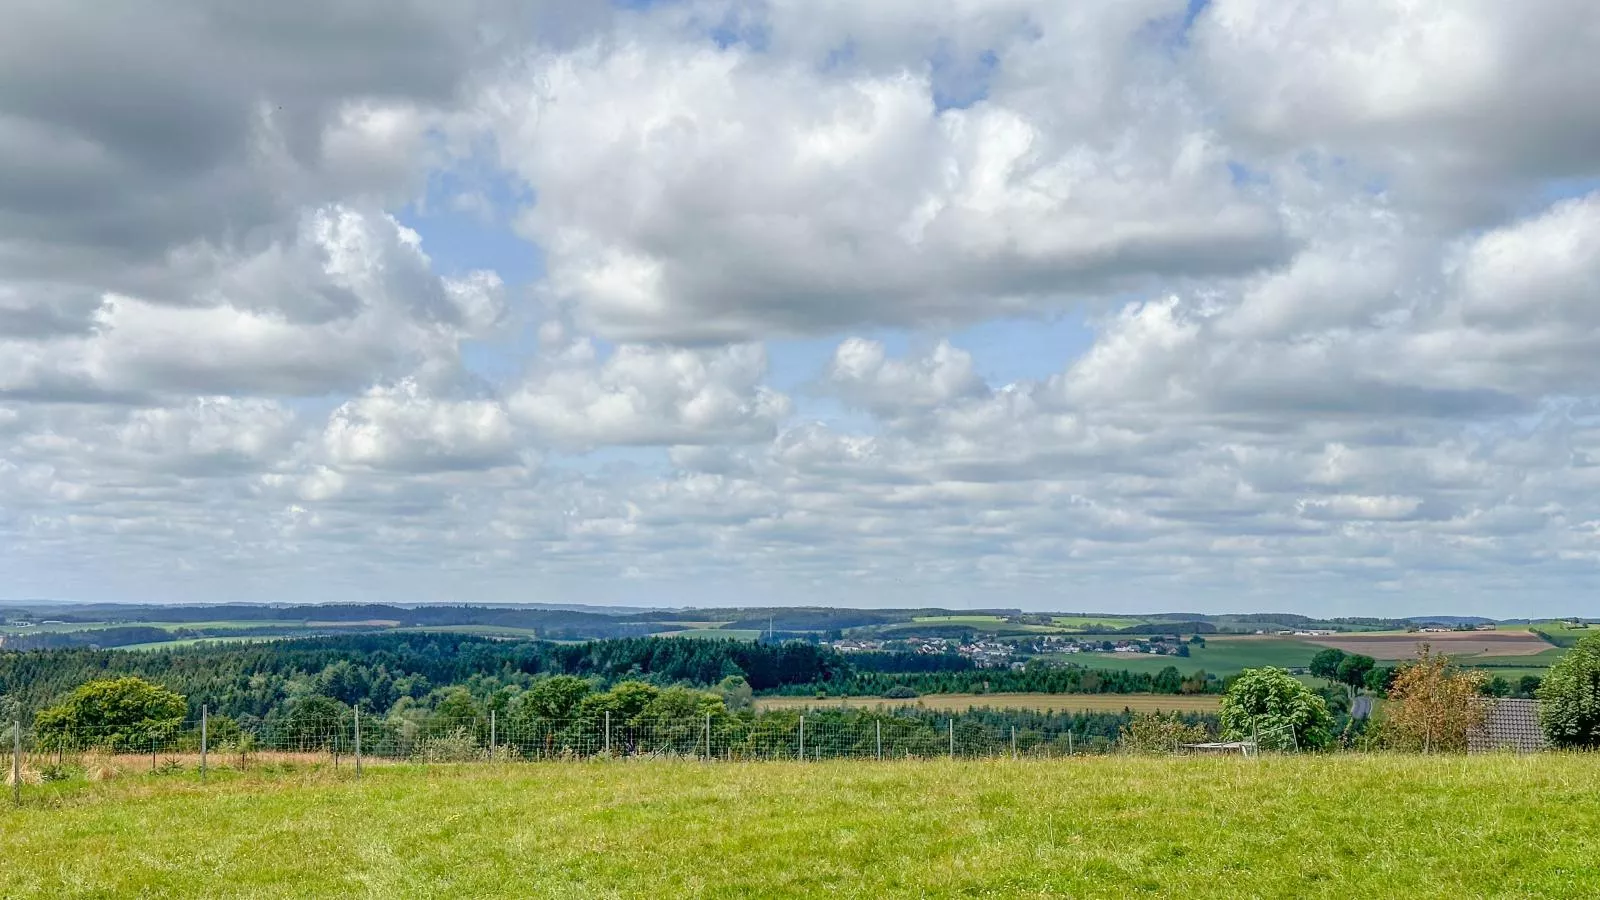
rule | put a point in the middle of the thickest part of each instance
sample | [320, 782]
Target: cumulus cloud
[650, 395]
[349, 296]
[727, 194]
[1315, 288]
[1461, 102]
[401, 428]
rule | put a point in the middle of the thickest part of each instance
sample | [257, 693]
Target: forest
[378, 671]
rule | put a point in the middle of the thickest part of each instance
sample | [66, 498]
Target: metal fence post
[1013, 742]
[204, 727]
[802, 738]
[952, 737]
[152, 754]
[358, 743]
[608, 732]
[708, 737]
[492, 735]
[16, 763]
[879, 723]
[1069, 743]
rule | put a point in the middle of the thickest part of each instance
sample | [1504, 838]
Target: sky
[1131, 305]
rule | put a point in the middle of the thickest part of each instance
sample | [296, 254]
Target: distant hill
[1449, 620]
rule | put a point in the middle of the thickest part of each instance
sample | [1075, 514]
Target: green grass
[743, 634]
[1079, 623]
[1346, 826]
[509, 631]
[975, 620]
[1220, 656]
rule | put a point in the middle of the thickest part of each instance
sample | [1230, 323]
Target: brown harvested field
[1451, 643]
[1039, 702]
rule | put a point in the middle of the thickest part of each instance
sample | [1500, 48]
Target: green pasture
[1349, 826]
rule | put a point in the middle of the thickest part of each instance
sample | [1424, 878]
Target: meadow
[1192, 827]
[1037, 702]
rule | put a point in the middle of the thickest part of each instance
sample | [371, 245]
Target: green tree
[1274, 707]
[735, 693]
[312, 723]
[1496, 686]
[1353, 671]
[1326, 663]
[1569, 697]
[1528, 685]
[556, 697]
[1379, 679]
[119, 714]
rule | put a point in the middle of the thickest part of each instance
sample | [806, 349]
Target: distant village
[996, 654]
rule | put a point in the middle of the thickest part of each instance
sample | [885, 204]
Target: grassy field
[190, 642]
[743, 634]
[1220, 656]
[1040, 702]
[1347, 826]
[1079, 623]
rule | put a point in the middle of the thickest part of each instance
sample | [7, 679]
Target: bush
[900, 692]
[1569, 697]
[456, 746]
[1154, 732]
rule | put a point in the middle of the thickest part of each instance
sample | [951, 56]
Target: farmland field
[1222, 655]
[1454, 643]
[1039, 702]
[1195, 827]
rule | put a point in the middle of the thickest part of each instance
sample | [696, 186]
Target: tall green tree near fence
[1272, 706]
[119, 714]
[1569, 697]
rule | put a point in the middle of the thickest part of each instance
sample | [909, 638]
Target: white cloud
[1336, 263]
[649, 395]
[724, 194]
[402, 428]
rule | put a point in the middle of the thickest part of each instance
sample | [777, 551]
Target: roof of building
[1511, 725]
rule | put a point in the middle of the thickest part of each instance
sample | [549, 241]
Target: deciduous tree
[1432, 705]
[1569, 697]
[119, 714]
[1275, 708]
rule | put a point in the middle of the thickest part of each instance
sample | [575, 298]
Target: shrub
[1569, 697]
[900, 692]
[1154, 732]
[455, 746]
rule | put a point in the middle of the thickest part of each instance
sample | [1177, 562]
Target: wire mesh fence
[356, 740]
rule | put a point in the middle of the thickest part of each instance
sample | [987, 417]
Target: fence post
[608, 732]
[708, 737]
[1069, 743]
[204, 723]
[358, 743]
[492, 735]
[952, 737]
[1013, 742]
[16, 763]
[802, 738]
[879, 723]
